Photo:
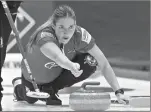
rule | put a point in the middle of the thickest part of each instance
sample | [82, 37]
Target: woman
[60, 54]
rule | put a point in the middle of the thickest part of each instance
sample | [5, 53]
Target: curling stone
[89, 100]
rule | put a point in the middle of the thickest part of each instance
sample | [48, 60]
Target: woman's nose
[65, 31]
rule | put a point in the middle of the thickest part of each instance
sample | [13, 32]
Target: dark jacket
[13, 6]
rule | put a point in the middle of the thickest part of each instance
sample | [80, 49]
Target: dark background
[121, 28]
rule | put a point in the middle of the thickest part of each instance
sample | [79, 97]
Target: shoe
[53, 99]
[16, 82]
[20, 92]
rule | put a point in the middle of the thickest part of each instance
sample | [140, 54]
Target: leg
[20, 85]
[88, 70]
[5, 31]
[66, 79]
[53, 99]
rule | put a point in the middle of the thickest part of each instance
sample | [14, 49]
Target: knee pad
[87, 63]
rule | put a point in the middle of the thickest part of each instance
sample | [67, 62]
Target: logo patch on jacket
[86, 37]
[50, 65]
[46, 34]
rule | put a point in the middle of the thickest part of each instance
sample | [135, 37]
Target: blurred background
[121, 28]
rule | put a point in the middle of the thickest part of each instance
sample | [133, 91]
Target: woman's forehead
[67, 21]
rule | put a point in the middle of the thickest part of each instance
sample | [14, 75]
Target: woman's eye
[71, 27]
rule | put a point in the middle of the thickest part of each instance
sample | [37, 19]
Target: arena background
[121, 29]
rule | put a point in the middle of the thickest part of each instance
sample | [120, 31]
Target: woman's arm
[105, 67]
[53, 52]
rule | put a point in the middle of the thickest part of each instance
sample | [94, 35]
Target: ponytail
[32, 39]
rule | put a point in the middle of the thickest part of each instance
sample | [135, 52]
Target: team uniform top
[43, 69]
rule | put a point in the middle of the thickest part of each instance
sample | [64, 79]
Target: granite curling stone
[89, 100]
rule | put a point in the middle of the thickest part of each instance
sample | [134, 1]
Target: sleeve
[44, 37]
[85, 42]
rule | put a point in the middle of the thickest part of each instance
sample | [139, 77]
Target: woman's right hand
[76, 70]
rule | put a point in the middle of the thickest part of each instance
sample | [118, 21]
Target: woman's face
[64, 29]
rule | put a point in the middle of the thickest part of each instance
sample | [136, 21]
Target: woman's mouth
[65, 38]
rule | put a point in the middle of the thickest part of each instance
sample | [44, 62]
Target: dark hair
[60, 12]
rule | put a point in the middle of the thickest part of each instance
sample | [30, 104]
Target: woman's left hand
[122, 98]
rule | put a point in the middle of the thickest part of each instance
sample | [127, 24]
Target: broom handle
[11, 22]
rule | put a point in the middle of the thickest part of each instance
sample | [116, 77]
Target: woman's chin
[65, 41]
